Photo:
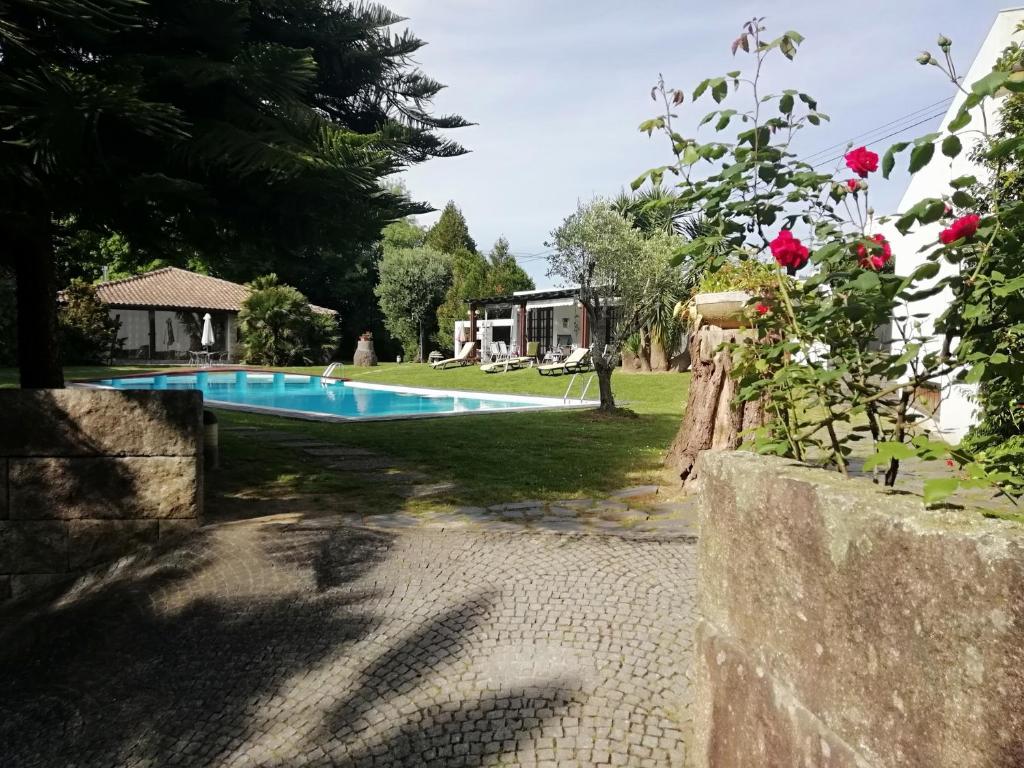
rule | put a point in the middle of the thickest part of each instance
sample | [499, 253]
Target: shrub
[87, 331]
[819, 367]
[279, 327]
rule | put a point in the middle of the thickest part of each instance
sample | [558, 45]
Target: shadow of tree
[192, 659]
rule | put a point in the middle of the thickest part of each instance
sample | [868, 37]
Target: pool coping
[540, 403]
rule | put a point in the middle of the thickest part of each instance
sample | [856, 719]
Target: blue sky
[558, 88]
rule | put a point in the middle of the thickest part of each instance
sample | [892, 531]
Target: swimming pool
[314, 397]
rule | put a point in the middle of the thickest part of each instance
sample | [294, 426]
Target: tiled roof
[175, 288]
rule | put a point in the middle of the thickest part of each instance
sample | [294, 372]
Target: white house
[161, 313]
[956, 411]
[550, 318]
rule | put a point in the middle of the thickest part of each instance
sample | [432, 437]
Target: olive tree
[599, 251]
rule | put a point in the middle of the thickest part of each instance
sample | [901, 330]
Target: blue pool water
[316, 397]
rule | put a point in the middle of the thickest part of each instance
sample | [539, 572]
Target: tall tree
[450, 232]
[504, 275]
[255, 132]
[450, 235]
[413, 283]
[469, 280]
[598, 250]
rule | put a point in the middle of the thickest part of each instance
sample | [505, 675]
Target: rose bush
[841, 356]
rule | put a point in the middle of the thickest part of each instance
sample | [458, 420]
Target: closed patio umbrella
[208, 338]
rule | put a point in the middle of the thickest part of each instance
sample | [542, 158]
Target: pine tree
[505, 276]
[256, 133]
[451, 233]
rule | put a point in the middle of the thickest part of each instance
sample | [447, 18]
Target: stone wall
[843, 626]
[87, 476]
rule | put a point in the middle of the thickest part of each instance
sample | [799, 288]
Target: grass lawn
[490, 458]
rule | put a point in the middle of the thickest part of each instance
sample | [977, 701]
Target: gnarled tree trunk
[711, 422]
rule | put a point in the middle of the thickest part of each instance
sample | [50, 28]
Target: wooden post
[523, 341]
[712, 422]
[472, 322]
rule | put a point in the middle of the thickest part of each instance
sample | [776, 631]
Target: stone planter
[365, 356]
[724, 309]
[846, 627]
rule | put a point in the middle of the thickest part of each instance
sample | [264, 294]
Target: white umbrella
[208, 338]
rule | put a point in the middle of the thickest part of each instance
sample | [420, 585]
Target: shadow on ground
[237, 649]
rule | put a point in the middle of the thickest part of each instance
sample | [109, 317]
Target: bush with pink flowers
[840, 355]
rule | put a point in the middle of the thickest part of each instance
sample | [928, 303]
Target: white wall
[957, 412]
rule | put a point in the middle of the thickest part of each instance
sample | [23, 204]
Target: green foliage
[504, 275]
[751, 275]
[819, 368]
[87, 331]
[404, 233]
[278, 326]
[997, 441]
[255, 133]
[450, 234]
[412, 285]
[468, 279]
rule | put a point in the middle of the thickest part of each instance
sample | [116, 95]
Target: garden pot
[724, 309]
[364, 356]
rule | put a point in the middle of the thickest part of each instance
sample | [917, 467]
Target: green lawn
[491, 458]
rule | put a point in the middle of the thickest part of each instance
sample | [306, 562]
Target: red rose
[788, 251]
[874, 257]
[962, 228]
[862, 161]
[762, 309]
[852, 184]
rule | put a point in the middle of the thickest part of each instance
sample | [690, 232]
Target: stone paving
[502, 636]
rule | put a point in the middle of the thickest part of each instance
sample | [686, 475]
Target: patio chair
[465, 357]
[578, 361]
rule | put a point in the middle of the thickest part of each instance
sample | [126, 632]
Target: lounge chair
[578, 360]
[465, 357]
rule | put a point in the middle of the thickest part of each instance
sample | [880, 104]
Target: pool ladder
[328, 371]
[583, 394]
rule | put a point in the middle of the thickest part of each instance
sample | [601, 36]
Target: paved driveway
[288, 642]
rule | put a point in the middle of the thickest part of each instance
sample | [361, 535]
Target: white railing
[583, 394]
[328, 372]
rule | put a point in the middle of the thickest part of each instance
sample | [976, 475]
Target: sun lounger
[578, 360]
[465, 357]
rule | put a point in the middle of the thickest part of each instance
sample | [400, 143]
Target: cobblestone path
[311, 642]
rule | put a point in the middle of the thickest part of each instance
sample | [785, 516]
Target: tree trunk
[644, 353]
[604, 384]
[711, 422]
[423, 344]
[36, 295]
